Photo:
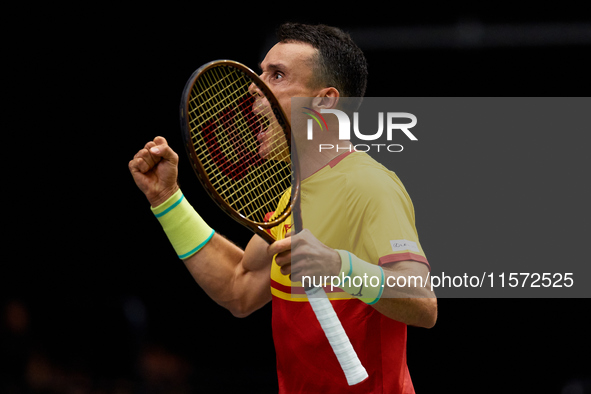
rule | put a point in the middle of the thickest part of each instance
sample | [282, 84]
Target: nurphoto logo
[389, 119]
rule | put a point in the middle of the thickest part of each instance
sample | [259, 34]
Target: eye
[277, 76]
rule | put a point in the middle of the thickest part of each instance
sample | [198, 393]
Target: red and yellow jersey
[355, 204]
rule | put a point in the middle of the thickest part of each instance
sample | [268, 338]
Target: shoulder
[366, 177]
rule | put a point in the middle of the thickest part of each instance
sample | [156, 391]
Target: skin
[239, 280]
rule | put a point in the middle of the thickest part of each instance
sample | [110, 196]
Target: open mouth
[261, 109]
[270, 137]
[263, 131]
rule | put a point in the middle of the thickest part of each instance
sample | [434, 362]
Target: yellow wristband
[360, 278]
[185, 229]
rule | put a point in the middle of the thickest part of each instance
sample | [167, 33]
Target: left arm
[413, 304]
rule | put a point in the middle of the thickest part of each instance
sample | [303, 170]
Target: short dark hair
[340, 62]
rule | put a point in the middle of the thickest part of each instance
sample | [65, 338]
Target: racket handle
[336, 335]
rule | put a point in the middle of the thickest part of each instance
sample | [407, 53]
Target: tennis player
[358, 219]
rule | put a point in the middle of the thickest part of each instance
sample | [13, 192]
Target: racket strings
[263, 176]
[206, 115]
[212, 101]
[277, 152]
[271, 186]
[224, 133]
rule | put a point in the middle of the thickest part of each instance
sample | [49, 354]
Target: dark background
[93, 298]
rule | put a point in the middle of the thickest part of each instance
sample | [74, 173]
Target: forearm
[236, 279]
[232, 277]
[400, 291]
[419, 312]
[304, 256]
[407, 296]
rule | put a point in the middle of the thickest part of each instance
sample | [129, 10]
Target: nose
[254, 90]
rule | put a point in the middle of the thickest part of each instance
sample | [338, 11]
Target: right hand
[155, 169]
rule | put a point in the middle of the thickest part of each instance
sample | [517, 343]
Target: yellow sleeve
[384, 211]
[278, 232]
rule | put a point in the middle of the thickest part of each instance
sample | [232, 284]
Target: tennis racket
[239, 142]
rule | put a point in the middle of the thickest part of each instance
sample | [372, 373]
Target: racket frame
[259, 228]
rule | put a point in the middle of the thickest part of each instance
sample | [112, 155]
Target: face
[287, 71]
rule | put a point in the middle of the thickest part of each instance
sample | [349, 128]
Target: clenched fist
[155, 169]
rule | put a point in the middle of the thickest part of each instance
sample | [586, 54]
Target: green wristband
[360, 278]
[185, 229]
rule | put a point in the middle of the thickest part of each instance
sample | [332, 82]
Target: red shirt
[307, 364]
[356, 205]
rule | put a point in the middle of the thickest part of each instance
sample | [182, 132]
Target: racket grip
[336, 335]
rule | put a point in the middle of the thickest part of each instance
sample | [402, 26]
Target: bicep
[252, 280]
[256, 257]
[236, 279]
[407, 278]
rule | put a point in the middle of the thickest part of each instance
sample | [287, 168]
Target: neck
[313, 159]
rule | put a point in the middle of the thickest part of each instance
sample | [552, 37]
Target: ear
[327, 98]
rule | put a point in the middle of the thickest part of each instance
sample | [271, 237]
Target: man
[321, 63]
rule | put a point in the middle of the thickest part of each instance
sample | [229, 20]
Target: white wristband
[360, 278]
